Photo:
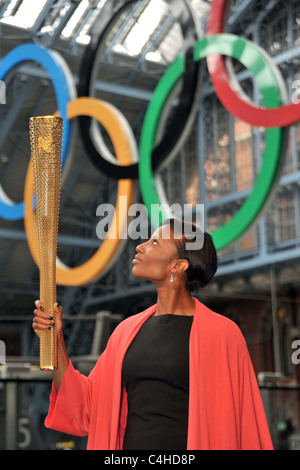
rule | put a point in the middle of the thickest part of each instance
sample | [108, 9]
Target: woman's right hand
[43, 321]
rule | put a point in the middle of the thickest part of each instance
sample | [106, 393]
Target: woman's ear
[180, 265]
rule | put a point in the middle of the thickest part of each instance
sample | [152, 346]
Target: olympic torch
[46, 153]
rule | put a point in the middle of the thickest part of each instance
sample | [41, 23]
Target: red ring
[226, 91]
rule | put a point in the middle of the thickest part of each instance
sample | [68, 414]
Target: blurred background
[118, 51]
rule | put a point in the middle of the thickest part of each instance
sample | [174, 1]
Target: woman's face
[154, 258]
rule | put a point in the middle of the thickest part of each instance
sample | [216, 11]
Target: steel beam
[240, 13]
[100, 85]
[260, 261]
[11, 415]
[12, 234]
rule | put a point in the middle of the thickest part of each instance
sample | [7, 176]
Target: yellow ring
[106, 254]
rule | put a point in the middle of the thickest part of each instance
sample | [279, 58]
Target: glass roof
[24, 14]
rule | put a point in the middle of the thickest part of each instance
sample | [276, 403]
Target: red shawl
[225, 406]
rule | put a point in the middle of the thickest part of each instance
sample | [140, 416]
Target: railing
[24, 401]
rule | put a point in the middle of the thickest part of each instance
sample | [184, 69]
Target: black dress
[156, 376]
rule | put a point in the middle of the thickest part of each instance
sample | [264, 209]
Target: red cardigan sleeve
[255, 434]
[69, 410]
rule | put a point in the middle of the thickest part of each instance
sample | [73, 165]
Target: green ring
[272, 90]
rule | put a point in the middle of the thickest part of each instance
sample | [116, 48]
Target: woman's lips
[136, 260]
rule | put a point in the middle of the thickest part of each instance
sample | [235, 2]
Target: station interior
[212, 160]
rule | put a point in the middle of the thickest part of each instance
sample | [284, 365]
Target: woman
[176, 376]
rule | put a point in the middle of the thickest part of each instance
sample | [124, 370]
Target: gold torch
[46, 153]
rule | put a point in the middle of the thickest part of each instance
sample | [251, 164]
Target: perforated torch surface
[46, 152]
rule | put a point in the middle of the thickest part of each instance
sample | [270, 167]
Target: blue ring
[54, 65]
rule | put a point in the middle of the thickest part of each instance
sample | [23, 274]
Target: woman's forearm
[63, 362]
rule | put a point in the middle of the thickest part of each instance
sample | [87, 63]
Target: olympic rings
[65, 91]
[184, 67]
[271, 87]
[182, 115]
[109, 250]
[226, 87]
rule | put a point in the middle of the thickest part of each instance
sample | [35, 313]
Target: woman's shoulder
[219, 325]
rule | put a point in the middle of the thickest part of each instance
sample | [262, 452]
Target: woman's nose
[140, 248]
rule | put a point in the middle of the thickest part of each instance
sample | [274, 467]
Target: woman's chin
[135, 272]
[138, 272]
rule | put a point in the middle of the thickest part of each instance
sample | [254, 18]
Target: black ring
[177, 122]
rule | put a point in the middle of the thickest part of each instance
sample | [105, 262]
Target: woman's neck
[177, 301]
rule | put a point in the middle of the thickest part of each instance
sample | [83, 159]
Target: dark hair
[203, 262]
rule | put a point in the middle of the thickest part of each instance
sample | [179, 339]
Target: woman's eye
[154, 242]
